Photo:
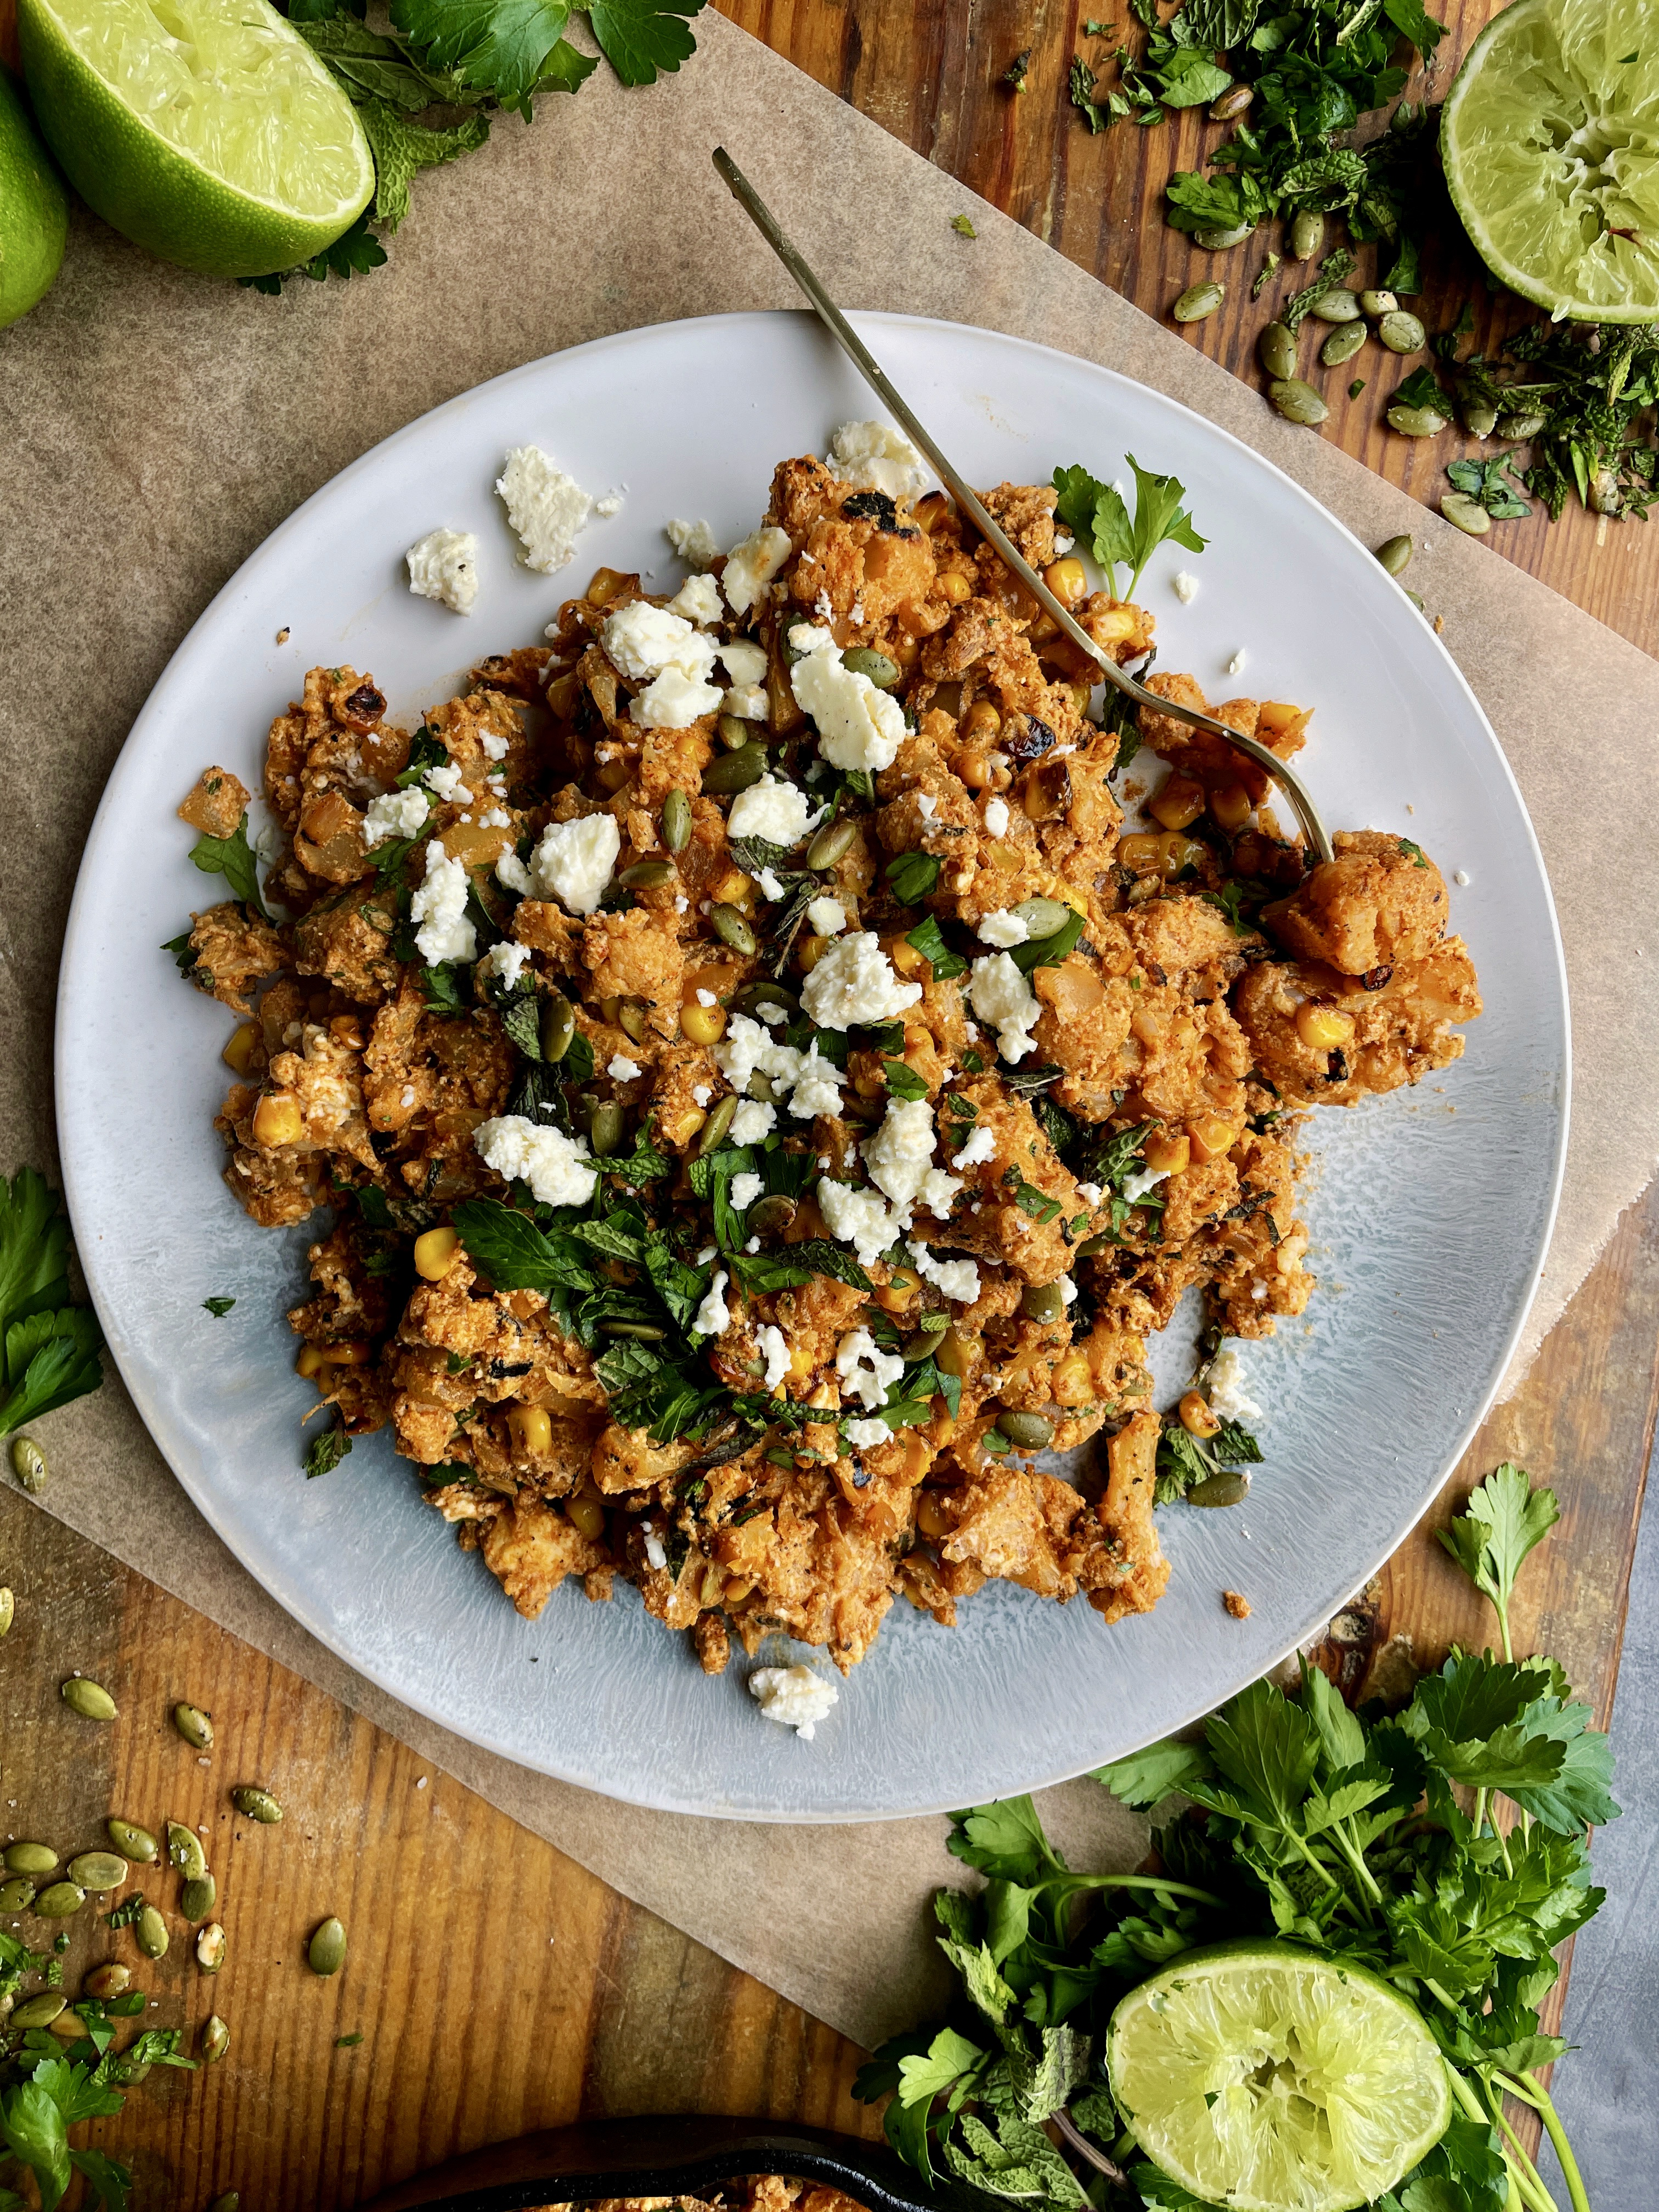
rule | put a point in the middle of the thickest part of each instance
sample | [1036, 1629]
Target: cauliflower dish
[756, 1092]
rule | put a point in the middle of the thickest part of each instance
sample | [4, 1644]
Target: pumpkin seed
[108, 1980]
[995, 1442]
[764, 992]
[68, 2027]
[1343, 343]
[1276, 348]
[675, 820]
[58, 1902]
[1402, 332]
[1306, 234]
[30, 1858]
[38, 2012]
[638, 1332]
[1605, 498]
[831, 843]
[1199, 302]
[8, 1610]
[149, 1933]
[210, 1948]
[1466, 513]
[258, 1804]
[1042, 916]
[648, 875]
[17, 1894]
[28, 1464]
[733, 732]
[1234, 234]
[1394, 554]
[1416, 599]
[1378, 303]
[863, 660]
[1416, 422]
[1030, 1431]
[557, 1026]
[326, 1952]
[98, 1870]
[930, 1328]
[1043, 1302]
[185, 1850]
[631, 1019]
[1339, 304]
[1219, 1490]
[736, 771]
[1520, 427]
[194, 1725]
[198, 1898]
[1479, 422]
[771, 1216]
[605, 1130]
[1297, 402]
[1092, 1247]
[1227, 107]
[712, 1133]
[215, 2040]
[762, 1088]
[90, 1699]
[731, 926]
[133, 1842]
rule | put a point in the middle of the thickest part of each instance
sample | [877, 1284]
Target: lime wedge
[34, 209]
[206, 130]
[1551, 143]
[1269, 2080]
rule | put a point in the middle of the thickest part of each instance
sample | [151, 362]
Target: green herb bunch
[50, 1341]
[1368, 1836]
[425, 86]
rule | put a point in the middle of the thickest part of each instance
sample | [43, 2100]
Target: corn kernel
[900, 1292]
[982, 722]
[278, 1120]
[1321, 1028]
[955, 1355]
[1140, 853]
[309, 1361]
[905, 957]
[1073, 1384]
[1197, 1417]
[606, 583]
[809, 951]
[736, 1591]
[1231, 807]
[435, 1254]
[918, 1457]
[612, 777]
[955, 587]
[1167, 1153]
[703, 1025]
[972, 767]
[931, 1519]
[1213, 1137]
[239, 1052]
[677, 1130]
[354, 1354]
[1179, 802]
[1111, 625]
[530, 1430]
[585, 1513]
[1066, 579]
[1177, 851]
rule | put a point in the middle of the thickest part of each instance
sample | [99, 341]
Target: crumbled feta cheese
[694, 542]
[639, 641]
[876, 457]
[555, 1167]
[772, 888]
[1227, 1394]
[406, 1096]
[707, 998]
[495, 818]
[1006, 1002]
[1236, 666]
[776, 1351]
[1004, 927]
[398, 814]
[996, 817]
[745, 1190]
[443, 567]
[673, 701]
[866, 1435]
[506, 960]
[957, 1279]
[655, 1556]
[545, 507]
[708, 1253]
[901, 1152]
[610, 505]
[747, 702]
[1064, 542]
[745, 663]
[753, 1120]
[495, 748]
[444, 782]
[512, 874]
[855, 982]
[928, 804]
[1090, 1192]
[751, 567]
[794, 1695]
[623, 1069]
[981, 1145]
[818, 1086]
[865, 1370]
[701, 1093]
[698, 599]
[859, 727]
[574, 860]
[714, 1316]
[938, 1192]
[1135, 1187]
[774, 810]
[1186, 588]
[769, 1011]
[1068, 1289]
[826, 917]
[807, 637]
[1462, 879]
[439, 906]
[859, 1217]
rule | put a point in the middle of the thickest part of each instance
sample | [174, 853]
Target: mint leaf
[640, 38]
[902, 1081]
[928, 940]
[217, 1307]
[911, 876]
[1049, 951]
[402, 149]
[326, 1451]
[508, 1247]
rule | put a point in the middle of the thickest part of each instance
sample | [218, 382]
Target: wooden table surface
[495, 1985]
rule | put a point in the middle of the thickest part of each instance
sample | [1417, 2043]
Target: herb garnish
[1096, 515]
[327, 1450]
[233, 858]
[49, 1342]
[217, 1307]
[911, 876]
[1184, 1459]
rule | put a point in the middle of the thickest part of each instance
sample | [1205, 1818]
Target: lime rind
[1270, 2080]
[1550, 139]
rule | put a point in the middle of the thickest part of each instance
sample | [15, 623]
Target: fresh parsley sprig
[1096, 517]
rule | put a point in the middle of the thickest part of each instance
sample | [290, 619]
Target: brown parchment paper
[157, 426]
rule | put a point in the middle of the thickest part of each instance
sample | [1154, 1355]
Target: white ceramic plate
[1430, 1211]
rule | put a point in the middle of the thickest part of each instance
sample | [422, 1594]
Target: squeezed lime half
[1551, 143]
[1269, 2080]
[205, 130]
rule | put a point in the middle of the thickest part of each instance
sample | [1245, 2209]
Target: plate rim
[870, 324]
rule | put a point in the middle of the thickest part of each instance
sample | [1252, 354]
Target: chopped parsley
[217, 1307]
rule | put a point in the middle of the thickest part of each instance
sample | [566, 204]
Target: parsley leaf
[641, 38]
[353, 253]
[233, 858]
[501, 47]
[1095, 513]
[217, 1307]
[911, 876]
[962, 225]
[1503, 1521]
